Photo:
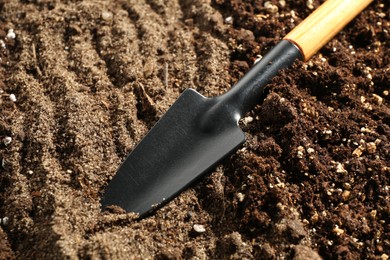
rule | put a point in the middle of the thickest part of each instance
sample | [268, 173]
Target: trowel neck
[249, 90]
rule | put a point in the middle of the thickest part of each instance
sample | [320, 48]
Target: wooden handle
[322, 25]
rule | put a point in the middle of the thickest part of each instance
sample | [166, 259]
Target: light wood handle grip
[323, 24]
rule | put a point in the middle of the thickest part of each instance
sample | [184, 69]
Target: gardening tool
[197, 132]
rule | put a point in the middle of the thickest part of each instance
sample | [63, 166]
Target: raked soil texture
[81, 83]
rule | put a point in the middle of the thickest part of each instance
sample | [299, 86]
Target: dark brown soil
[91, 77]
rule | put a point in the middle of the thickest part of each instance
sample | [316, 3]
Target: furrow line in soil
[71, 107]
[212, 53]
[85, 150]
[212, 63]
[117, 45]
[159, 7]
[119, 50]
[32, 193]
[118, 103]
[152, 31]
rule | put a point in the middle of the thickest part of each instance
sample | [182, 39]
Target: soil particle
[277, 111]
[305, 253]
[81, 82]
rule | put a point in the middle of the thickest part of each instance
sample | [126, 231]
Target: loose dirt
[83, 81]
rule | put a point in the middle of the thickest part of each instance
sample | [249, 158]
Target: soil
[83, 81]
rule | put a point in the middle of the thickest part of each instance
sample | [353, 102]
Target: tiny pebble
[240, 197]
[282, 3]
[280, 206]
[199, 228]
[270, 7]
[309, 4]
[381, 15]
[340, 169]
[107, 16]
[12, 97]
[5, 221]
[11, 34]
[314, 218]
[338, 231]
[310, 150]
[365, 130]
[258, 58]
[371, 147]
[229, 20]
[378, 99]
[357, 152]
[327, 132]
[346, 185]
[7, 140]
[248, 120]
[345, 195]
[300, 151]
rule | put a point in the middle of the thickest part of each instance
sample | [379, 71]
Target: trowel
[197, 132]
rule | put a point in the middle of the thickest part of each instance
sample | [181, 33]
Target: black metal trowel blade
[191, 138]
[172, 155]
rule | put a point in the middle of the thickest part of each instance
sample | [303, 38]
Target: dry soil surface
[82, 82]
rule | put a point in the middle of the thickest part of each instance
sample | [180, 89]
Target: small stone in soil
[357, 152]
[11, 34]
[309, 4]
[310, 150]
[240, 197]
[371, 147]
[229, 20]
[247, 120]
[107, 16]
[12, 97]
[300, 151]
[345, 195]
[7, 140]
[258, 58]
[199, 228]
[4, 221]
[340, 169]
[270, 7]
